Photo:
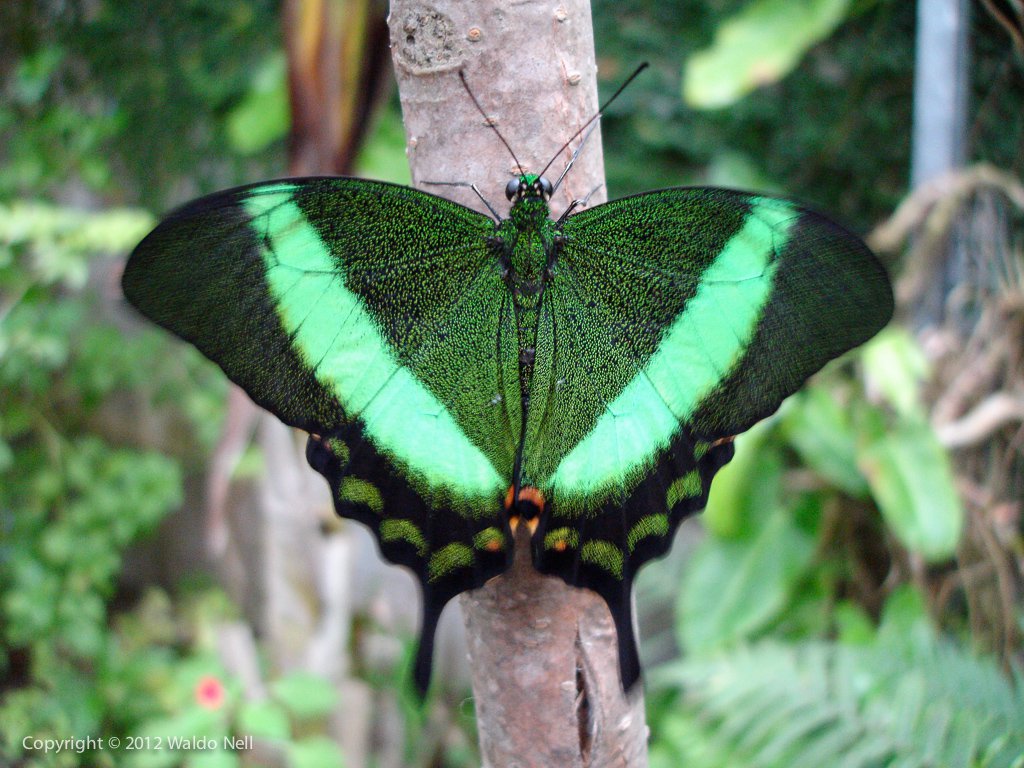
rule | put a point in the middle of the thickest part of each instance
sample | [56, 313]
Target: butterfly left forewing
[678, 318]
[366, 314]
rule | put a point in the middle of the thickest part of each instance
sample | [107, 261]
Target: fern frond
[827, 705]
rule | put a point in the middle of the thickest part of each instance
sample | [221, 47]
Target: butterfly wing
[370, 315]
[673, 321]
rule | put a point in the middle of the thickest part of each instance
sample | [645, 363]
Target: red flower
[210, 692]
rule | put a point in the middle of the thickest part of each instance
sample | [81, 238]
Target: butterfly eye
[512, 188]
[545, 187]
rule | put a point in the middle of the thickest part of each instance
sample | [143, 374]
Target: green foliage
[315, 752]
[834, 132]
[69, 502]
[758, 46]
[761, 567]
[911, 479]
[908, 472]
[205, 711]
[890, 455]
[262, 117]
[71, 499]
[304, 695]
[114, 101]
[821, 431]
[132, 99]
[156, 684]
[902, 697]
[781, 667]
[829, 124]
[738, 587]
[382, 156]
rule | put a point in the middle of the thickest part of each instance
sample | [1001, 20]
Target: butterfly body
[461, 376]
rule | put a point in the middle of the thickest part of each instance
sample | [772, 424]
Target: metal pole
[940, 88]
[940, 119]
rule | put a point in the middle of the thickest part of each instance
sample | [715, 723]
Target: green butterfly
[461, 376]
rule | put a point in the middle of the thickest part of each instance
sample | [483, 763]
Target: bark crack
[584, 723]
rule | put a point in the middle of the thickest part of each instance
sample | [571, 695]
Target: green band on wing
[338, 448]
[339, 340]
[356, 491]
[562, 537]
[649, 525]
[603, 554]
[489, 538]
[448, 559]
[686, 487]
[404, 530]
[697, 352]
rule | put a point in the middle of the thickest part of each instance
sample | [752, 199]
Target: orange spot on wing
[510, 497]
[532, 524]
[513, 522]
[560, 545]
[493, 545]
[533, 495]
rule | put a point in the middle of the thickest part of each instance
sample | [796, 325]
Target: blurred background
[169, 567]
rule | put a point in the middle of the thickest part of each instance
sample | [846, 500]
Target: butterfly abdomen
[526, 506]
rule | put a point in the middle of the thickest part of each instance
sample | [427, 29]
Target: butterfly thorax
[527, 236]
[526, 243]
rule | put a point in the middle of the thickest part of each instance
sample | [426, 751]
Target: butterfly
[462, 375]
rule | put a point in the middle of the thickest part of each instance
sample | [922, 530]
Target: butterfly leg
[494, 213]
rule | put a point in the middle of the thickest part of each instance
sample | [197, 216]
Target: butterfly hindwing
[447, 552]
[677, 319]
[604, 548]
[350, 308]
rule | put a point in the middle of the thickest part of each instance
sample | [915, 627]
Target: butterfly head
[528, 185]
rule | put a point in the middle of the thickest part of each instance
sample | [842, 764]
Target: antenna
[572, 160]
[584, 127]
[462, 77]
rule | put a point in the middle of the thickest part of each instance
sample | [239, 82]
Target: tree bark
[544, 655]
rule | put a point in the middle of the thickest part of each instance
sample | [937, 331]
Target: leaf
[758, 46]
[263, 115]
[315, 752]
[897, 367]
[819, 704]
[853, 625]
[190, 725]
[264, 719]
[733, 589]
[213, 758]
[819, 428]
[304, 695]
[912, 482]
[740, 171]
[747, 488]
[35, 74]
[382, 155]
[905, 621]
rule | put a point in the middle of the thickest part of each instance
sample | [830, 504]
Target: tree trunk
[544, 655]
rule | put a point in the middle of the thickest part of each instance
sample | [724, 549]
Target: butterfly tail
[424, 662]
[621, 606]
